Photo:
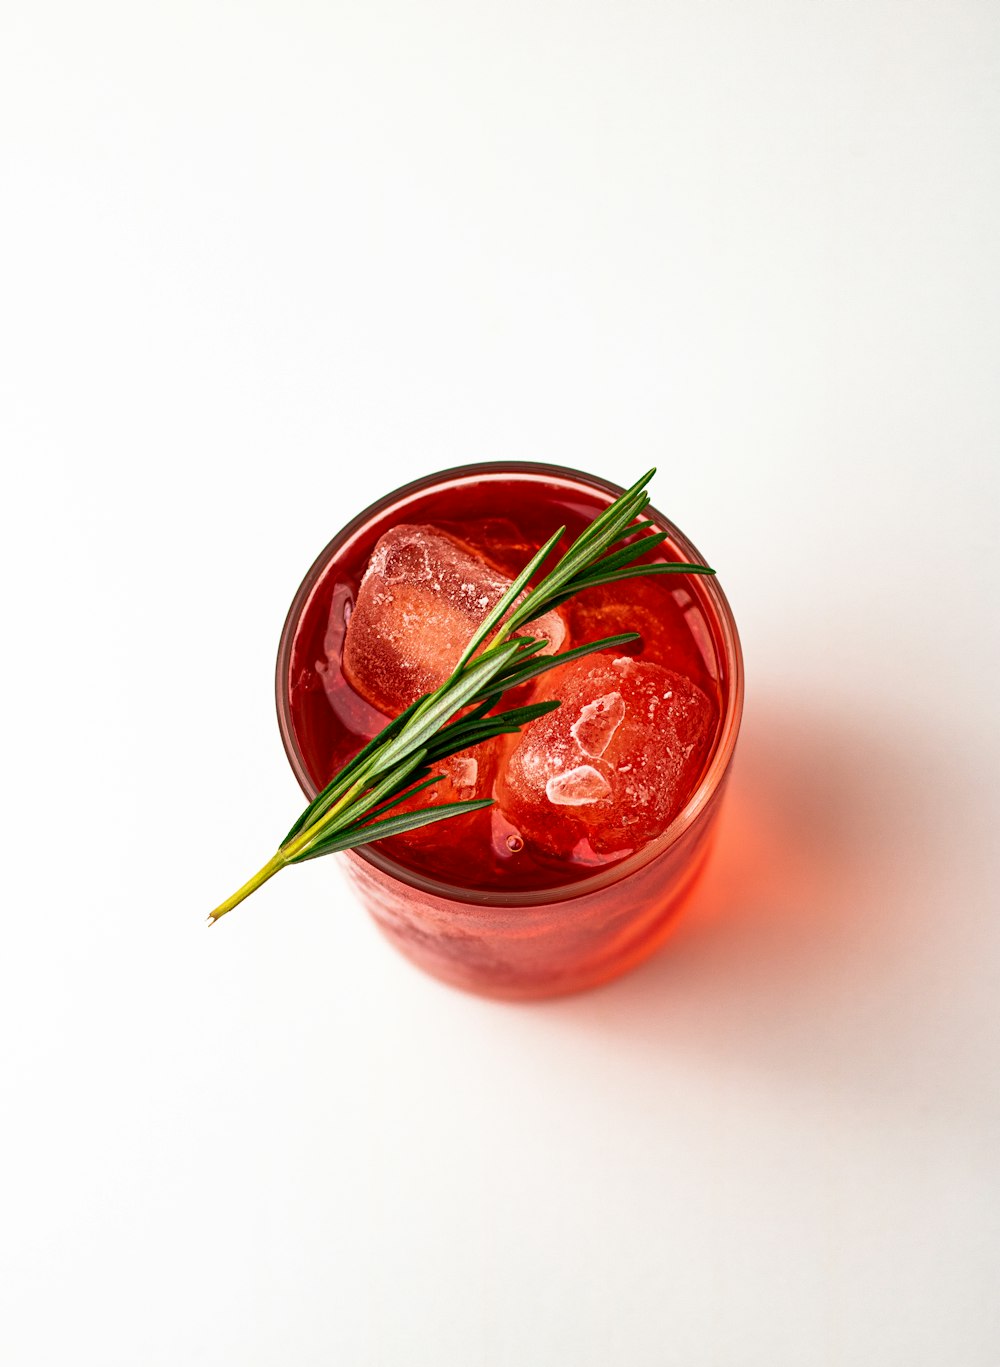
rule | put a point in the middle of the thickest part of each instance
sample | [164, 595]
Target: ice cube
[614, 764]
[422, 597]
[647, 606]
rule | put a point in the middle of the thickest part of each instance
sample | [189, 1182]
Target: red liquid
[507, 519]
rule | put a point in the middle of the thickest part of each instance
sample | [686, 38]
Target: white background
[262, 263]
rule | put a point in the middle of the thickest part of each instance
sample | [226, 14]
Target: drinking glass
[519, 942]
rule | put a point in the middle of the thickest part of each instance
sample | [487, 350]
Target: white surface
[262, 263]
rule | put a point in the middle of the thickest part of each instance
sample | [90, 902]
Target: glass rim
[609, 874]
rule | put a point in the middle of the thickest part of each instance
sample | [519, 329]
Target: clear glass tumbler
[518, 942]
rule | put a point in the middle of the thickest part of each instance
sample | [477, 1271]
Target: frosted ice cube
[614, 764]
[422, 597]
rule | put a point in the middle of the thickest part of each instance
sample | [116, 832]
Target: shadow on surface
[808, 949]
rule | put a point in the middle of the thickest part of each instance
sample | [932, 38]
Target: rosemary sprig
[356, 805]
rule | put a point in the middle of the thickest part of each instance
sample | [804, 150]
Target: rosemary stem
[283, 857]
[273, 865]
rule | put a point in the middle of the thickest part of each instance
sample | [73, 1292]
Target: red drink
[468, 899]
